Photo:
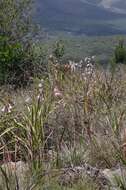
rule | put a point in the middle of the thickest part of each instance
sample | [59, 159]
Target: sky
[109, 3]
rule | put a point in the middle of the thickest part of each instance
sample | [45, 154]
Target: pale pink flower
[57, 92]
[7, 108]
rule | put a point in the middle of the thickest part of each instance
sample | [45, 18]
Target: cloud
[109, 3]
[118, 6]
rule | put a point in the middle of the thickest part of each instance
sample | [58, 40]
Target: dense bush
[10, 55]
[120, 53]
[58, 49]
[16, 39]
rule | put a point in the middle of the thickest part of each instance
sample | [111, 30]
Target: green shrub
[59, 49]
[16, 34]
[120, 53]
[10, 55]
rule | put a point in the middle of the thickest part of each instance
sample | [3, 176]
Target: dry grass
[66, 120]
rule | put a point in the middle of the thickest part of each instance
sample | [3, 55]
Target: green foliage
[10, 55]
[32, 124]
[120, 53]
[15, 18]
[16, 32]
[59, 49]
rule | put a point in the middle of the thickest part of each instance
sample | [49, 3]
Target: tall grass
[71, 118]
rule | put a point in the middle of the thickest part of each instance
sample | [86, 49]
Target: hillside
[80, 17]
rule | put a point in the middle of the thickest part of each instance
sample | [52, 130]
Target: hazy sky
[109, 3]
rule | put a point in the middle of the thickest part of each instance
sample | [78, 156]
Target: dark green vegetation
[17, 31]
[120, 53]
[58, 51]
[14, 28]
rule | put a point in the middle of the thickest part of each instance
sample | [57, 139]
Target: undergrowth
[67, 119]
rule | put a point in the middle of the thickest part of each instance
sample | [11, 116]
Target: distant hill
[82, 16]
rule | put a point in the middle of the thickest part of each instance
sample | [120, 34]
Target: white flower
[88, 65]
[73, 66]
[89, 72]
[42, 80]
[38, 97]
[27, 99]
[50, 56]
[3, 109]
[81, 61]
[40, 85]
[86, 58]
[93, 57]
[7, 108]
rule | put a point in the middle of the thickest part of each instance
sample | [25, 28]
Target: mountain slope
[77, 16]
